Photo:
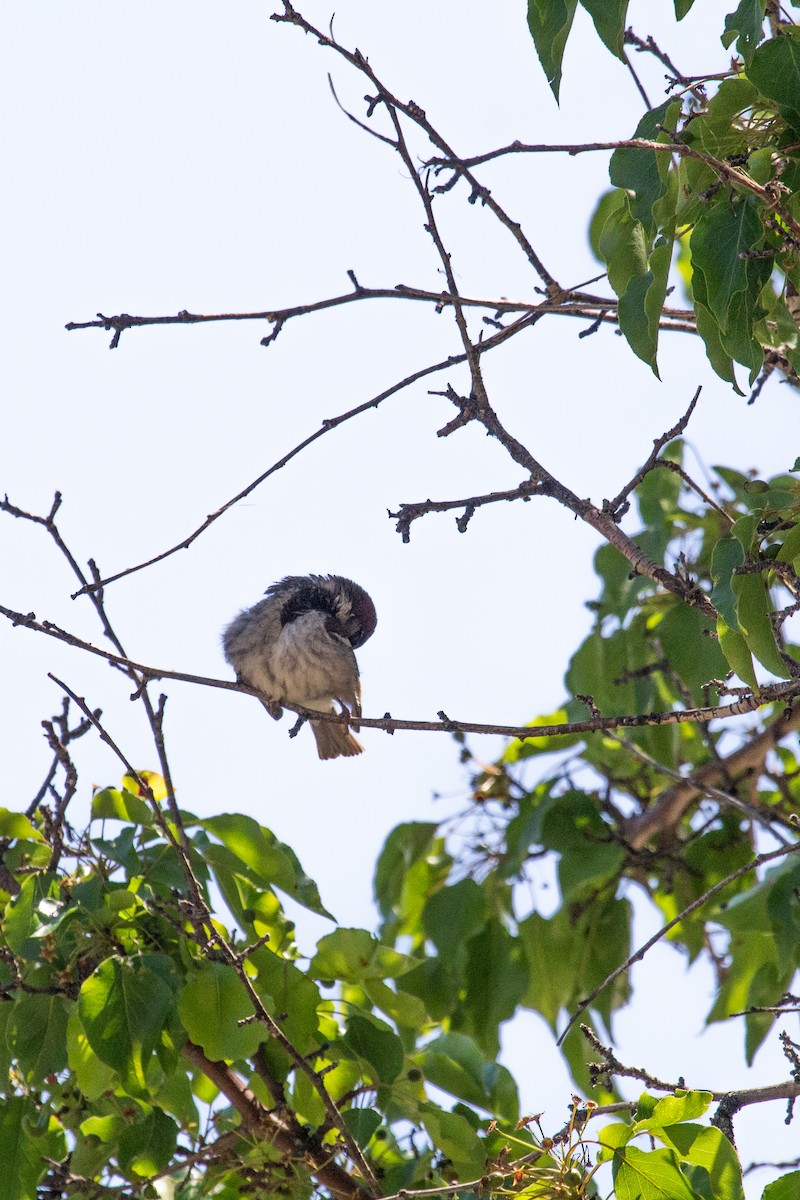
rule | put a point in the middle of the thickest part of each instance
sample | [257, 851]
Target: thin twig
[614, 506]
[753, 865]
[415, 114]
[726, 799]
[327, 426]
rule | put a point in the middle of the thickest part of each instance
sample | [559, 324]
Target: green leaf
[728, 284]
[682, 7]
[294, 995]
[612, 1136]
[402, 1007]
[23, 917]
[373, 1042]
[727, 556]
[790, 550]
[123, 1007]
[92, 1075]
[609, 21]
[734, 647]
[437, 985]
[496, 980]
[454, 1137]
[454, 1063]
[353, 955]
[706, 1147]
[116, 805]
[722, 234]
[696, 657]
[599, 667]
[709, 331]
[640, 307]
[572, 826]
[551, 949]
[653, 1174]
[623, 247]
[608, 203]
[784, 913]
[744, 529]
[412, 866]
[36, 1035]
[746, 26]
[669, 1110]
[146, 1147]
[362, 1123]
[549, 22]
[645, 172]
[210, 1005]
[273, 863]
[17, 825]
[775, 70]
[606, 936]
[752, 610]
[455, 914]
[785, 1188]
[26, 1147]
[619, 589]
[754, 978]
[718, 132]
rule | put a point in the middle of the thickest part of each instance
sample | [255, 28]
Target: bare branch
[408, 513]
[328, 424]
[614, 507]
[278, 317]
[767, 819]
[771, 694]
[611, 1065]
[415, 114]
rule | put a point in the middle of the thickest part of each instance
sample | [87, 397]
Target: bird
[296, 647]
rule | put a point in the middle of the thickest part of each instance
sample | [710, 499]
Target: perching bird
[296, 647]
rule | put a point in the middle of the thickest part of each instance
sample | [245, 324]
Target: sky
[191, 155]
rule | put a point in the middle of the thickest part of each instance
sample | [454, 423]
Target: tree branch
[671, 805]
[770, 694]
[415, 114]
[753, 865]
[279, 1129]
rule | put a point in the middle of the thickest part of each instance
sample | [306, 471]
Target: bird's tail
[335, 741]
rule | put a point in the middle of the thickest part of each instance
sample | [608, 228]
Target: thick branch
[673, 803]
[277, 1129]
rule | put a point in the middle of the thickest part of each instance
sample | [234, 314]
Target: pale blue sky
[190, 155]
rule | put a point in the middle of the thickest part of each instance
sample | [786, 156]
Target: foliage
[152, 1046]
[724, 186]
[131, 1018]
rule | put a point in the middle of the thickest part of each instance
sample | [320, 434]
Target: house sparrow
[296, 647]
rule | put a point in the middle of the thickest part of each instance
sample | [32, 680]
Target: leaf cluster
[720, 195]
